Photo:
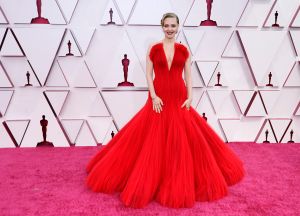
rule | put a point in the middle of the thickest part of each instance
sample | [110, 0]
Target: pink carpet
[50, 181]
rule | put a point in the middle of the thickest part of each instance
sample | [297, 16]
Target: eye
[173, 25]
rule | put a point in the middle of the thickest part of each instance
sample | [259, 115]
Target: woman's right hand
[157, 104]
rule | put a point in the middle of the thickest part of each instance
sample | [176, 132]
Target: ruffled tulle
[173, 157]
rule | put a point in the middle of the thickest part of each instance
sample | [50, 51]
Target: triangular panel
[10, 46]
[111, 12]
[69, 43]
[56, 99]
[18, 129]
[5, 98]
[42, 52]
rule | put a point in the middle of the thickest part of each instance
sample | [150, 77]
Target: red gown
[173, 157]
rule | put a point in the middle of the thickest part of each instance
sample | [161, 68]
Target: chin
[170, 36]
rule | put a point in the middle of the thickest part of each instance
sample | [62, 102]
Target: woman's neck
[169, 40]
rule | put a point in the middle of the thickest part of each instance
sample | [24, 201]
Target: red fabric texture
[173, 157]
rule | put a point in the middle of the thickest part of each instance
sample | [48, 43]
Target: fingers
[161, 102]
[157, 108]
[186, 104]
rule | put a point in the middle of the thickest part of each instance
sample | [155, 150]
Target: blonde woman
[167, 152]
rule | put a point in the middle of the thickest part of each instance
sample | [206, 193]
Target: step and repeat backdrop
[62, 65]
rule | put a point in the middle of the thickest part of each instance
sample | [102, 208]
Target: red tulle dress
[173, 157]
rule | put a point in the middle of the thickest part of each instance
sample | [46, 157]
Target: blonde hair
[168, 15]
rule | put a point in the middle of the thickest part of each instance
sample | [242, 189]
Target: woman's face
[170, 27]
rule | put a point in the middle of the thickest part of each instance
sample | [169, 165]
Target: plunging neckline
[166, 58]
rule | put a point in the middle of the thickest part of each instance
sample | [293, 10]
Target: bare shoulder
[153, 45]
[185, 49]
[151, 48]
[183, 46]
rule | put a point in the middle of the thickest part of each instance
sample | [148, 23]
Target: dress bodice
[159, 59]
[168, 82]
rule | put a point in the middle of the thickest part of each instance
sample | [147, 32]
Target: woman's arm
[149, 74]
[188, 77]
[188, 82]
[157, 103]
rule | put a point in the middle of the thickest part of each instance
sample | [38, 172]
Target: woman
[167, 152]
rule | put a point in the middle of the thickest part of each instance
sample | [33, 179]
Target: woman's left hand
[187, 103]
